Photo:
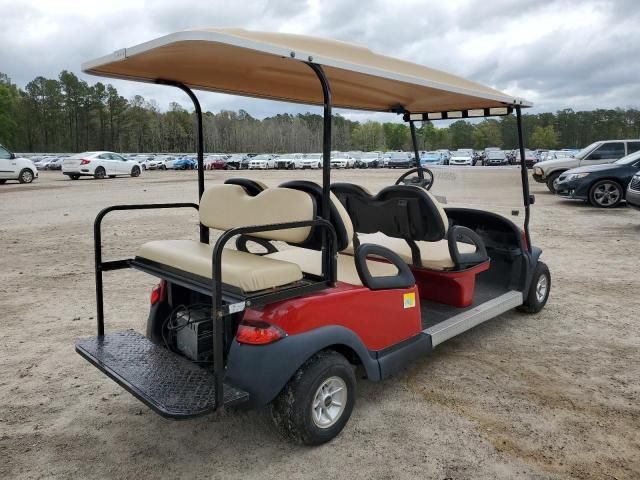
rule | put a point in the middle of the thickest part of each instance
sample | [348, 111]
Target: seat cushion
[434, 255]
[246, 271]
[309, 261]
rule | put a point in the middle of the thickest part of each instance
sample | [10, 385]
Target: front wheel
[605, 194]
[26, 176]
[538, 291]
[316, 404]
[135, 172]
[552, 180]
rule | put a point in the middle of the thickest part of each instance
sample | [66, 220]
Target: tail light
[258, 333]
[159, 293]
[84, 162]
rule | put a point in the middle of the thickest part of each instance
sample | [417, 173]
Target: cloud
[558, 53]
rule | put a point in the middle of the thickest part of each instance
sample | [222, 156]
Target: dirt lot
[555, 395]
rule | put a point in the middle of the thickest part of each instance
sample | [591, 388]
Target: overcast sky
[581, 54]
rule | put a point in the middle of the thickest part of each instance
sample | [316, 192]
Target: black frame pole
[204, 231]
[414, 140]
[524, 174]
[329, 268]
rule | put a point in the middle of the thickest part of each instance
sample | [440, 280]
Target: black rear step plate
[168, 383]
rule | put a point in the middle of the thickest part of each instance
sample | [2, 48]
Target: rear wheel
[605, 194]
[100, 173]
[539, 290]
[551, 181]
[316, 404]
[74, 177]
[26, 176]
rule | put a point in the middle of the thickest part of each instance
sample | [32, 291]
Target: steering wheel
[426, 182]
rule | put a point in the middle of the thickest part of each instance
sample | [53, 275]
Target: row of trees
[69, 115]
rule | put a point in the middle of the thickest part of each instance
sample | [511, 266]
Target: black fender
[532, 259]
[264, 370]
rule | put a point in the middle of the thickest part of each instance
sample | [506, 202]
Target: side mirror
[12, 156]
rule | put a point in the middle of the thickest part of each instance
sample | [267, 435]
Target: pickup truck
[604, 151]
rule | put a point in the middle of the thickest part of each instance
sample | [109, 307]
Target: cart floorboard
[168, 383]
[442, 322]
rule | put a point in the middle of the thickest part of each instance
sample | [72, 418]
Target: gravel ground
[554, 395]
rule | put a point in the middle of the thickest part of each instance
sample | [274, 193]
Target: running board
[472, 317]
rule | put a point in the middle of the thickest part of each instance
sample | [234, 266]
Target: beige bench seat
[246, 271]
[434, 255]
[310, 262]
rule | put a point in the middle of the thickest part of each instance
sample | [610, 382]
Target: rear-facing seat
[223, 207]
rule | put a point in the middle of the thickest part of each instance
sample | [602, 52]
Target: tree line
[67, 114]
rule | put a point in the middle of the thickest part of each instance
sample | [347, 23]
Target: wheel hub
[329, 402]
[541, 288]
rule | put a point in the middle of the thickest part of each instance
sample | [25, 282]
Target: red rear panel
[380, 318]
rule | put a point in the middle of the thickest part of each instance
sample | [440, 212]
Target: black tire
[552, 178]
[74, 177]
[144, 167]
[536, 300]
[135, 172]
[26, 176]
[112, 176]
[3, 181]
[100, 173]
[606, 194]
[293, 412]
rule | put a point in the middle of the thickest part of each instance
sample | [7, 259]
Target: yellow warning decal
[409, 300]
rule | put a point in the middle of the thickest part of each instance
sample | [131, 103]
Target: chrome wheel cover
[606, 194]
[542, 287]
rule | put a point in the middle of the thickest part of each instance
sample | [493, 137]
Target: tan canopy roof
[270, 65]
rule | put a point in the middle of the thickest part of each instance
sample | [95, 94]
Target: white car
[16, 168]
[463, 156]
[99, 165]
[311, 160]
[262, 162]
[342, 160]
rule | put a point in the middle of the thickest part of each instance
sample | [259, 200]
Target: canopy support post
[524, 174]
[204, 231]
[414, 140]
[329, 268]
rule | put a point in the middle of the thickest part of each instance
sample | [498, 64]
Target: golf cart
[356, 279]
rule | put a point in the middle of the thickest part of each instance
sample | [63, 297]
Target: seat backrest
[223, 207]
[252, 187]
[400, 211]
[338, 216]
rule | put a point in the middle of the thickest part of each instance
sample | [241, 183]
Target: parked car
[289, 162]
[633, 192]
[554, 154]
[311, 160]
[183, 163]
[234, 162]
[602, 185]
[44, 163]
[369, 160]
[16, 168]
[495, 158]
[462, 156]
[99, 165]
[432, 158]
[215, 162]
[55, 164]
[605, 151]
[263, 162]
[342, 160]
[530, 157]
[152, 163]
[399, 160]
[446, 155]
